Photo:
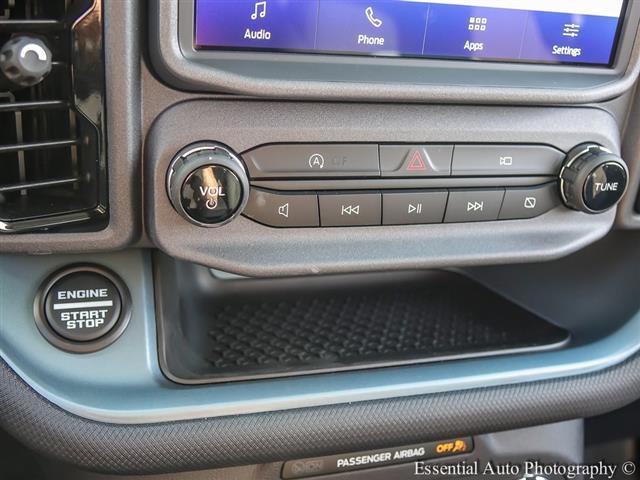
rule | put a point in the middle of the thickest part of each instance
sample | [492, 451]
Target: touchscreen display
[535, 31]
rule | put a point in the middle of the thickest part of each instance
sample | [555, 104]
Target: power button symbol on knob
[211, 194]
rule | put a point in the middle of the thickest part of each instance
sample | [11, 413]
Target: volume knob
[207, 184]
[593, 179]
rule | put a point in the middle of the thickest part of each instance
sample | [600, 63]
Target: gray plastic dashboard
[122, 49]
[114, 410]
[246, 247]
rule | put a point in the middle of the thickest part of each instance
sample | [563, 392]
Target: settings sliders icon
[571, 30]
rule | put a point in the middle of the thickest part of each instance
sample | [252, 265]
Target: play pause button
[417, 208]
[413, 207]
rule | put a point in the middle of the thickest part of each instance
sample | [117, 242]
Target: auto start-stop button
[82, 308]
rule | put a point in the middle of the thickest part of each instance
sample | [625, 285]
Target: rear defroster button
[82, 308]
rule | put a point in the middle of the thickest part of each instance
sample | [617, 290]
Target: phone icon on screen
[376, 22]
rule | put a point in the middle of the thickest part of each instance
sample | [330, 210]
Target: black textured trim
[287, 328]
[308, 432]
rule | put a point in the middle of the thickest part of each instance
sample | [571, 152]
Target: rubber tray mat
[284, 332]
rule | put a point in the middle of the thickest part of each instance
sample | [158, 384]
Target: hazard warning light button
[416, 160]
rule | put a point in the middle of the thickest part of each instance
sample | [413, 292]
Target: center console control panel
[366, 184]
[394, 203]
[313, 188]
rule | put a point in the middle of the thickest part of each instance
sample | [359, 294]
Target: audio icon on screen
[259, 10]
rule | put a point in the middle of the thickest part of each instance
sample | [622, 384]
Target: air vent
[52, 165]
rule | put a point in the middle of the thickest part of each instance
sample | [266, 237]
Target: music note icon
[260, 9]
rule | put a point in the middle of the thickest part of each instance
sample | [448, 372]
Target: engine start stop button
[84, 307]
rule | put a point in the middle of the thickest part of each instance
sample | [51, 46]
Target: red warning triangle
[417, 162]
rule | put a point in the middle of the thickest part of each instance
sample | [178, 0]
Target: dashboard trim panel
[247, 248]
[119, 425]
[121, 50]
[128, 386]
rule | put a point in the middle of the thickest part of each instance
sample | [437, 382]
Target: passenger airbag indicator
[310, 467]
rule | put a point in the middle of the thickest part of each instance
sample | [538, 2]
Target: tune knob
[593, 179]
[207, 184]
